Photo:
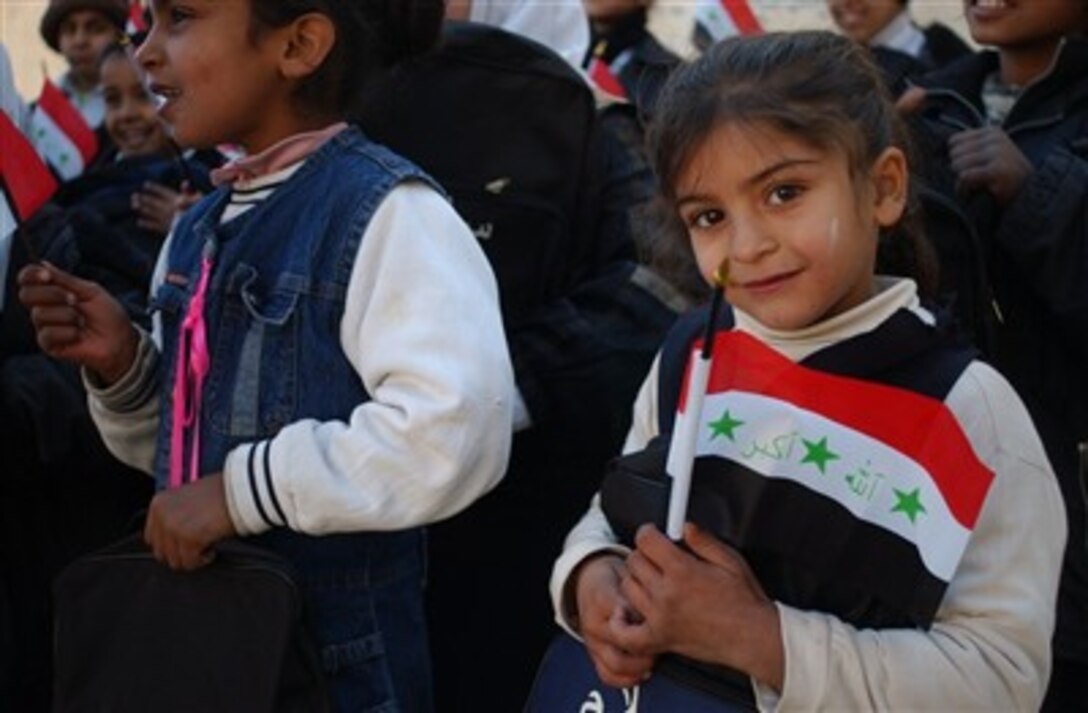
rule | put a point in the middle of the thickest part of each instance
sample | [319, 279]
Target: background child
[358, 385]
[901, 47]
[621, 40]
[64, 494]
[782, 158]
[1006, 133]
[80, 30]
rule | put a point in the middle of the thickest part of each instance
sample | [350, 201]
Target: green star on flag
[817, 453]
[725, 426]
[909, 504]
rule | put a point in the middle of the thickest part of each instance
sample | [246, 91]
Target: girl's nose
[749, 241]
[149, 54]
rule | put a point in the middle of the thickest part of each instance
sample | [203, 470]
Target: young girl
[895, 529]
[327, 371]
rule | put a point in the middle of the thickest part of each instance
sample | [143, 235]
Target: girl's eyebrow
[753, 180]
[774, 168]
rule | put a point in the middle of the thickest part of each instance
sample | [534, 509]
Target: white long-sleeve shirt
[989, 645]
[422, 328]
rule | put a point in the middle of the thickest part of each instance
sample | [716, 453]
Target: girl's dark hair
[818, 86]
[371, 37]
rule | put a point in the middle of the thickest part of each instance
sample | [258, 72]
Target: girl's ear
[309, 39]
[891, 180]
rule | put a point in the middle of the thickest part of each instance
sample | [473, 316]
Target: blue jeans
[363, 595]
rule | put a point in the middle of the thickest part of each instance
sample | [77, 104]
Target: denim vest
[273, 309]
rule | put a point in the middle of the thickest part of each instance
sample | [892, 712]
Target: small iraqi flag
[26, 184]
[716, 20]
[61, 134]
[137, 18]
[602, 75]
[26, 180]
[874, 487]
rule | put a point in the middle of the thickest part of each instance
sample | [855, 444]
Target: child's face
[1023, 23]
[218, 85]
[800, 233]
[861, 20]
[82, 37]
[131, 119]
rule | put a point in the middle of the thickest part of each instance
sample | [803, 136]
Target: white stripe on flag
[7, 238]
[715, 20]
[874, 481]
[55, 146]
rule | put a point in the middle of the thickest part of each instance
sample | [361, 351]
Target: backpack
[132, 635]
[462, 112]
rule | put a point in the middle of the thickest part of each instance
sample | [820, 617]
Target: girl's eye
[780, 195]
[705, 218]
[179, 14]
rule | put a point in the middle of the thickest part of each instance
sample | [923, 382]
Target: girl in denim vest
[327, 370]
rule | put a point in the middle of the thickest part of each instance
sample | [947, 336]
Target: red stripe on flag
[69, 120]
[743, 17]
[28, 180]
[605, 79]
[136, 21]
[918, 426]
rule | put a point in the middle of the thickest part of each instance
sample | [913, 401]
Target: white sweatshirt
[422, 328]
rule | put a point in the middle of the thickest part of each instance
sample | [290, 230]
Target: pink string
[193, 364]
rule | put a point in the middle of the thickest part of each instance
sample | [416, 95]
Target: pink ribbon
[192, 367]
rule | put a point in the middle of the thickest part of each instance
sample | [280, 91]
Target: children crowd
[869, 244]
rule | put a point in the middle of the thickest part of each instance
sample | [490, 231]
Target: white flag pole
[681, 456]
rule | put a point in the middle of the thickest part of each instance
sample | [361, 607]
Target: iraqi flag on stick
[602, 74]
[26, 184]
[716, 20]
[826, 482]
[61, 134]
[137, 19]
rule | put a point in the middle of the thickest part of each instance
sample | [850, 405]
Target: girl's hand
[603, 610]
[987, 159]
[78, 320]
[911, 101]
[184, 523]
[706, 605]
[157, 205]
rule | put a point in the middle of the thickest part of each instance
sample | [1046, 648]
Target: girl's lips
[987, 9]
[162, 94]
[767, 284]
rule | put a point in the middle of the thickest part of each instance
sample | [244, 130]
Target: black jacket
[1037, 255]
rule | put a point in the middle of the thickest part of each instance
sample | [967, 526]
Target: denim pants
[363, 595]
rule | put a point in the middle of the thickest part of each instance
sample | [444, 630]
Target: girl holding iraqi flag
[879, 527]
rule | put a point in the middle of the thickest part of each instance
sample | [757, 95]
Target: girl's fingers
[54, 340]
[709, 548]
[55, 316]
[33, 295]
[157, 190]
[82, 289]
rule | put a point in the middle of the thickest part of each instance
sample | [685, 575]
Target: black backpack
[463, 113]
[132, 635]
